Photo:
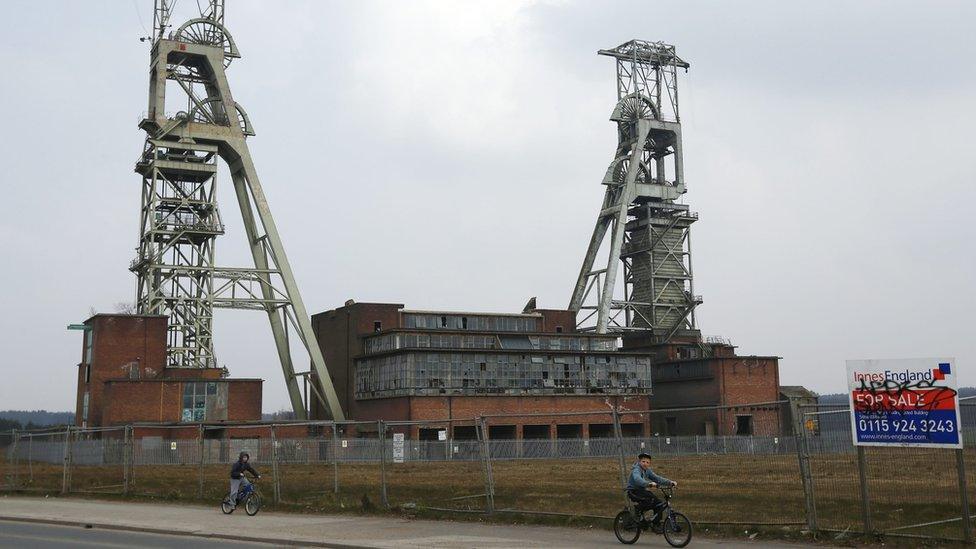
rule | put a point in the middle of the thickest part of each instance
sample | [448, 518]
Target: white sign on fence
[172, 446]
[442, 435]
[904, 402]
[397, 447]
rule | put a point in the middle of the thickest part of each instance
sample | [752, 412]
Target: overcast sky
[449, 156]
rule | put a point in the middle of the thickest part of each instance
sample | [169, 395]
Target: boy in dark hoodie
[237, 475]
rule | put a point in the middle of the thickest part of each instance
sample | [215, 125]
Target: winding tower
[649, 230]
[180, 219]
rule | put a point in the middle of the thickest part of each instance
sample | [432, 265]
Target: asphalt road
[345, 530]
[27, 535]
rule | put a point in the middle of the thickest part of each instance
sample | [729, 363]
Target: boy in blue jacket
[642, 480]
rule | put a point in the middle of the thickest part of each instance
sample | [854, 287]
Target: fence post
[66, 471]
[622, 462]
[126, 458]
[30, 459]
[862, 478]
[335, 456]
[381, 433]
[482, 431]
[967, 526]
[803, 457]
[200, 448]
[15, 476]
[275, 479]
[132, 455]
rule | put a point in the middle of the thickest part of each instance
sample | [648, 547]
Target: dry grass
[919, 487]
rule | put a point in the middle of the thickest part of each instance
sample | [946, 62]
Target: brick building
[691, 372]
[122, 379]
[391, 363]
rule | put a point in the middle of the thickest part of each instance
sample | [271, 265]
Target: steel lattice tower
[179, 217]
[649, 230]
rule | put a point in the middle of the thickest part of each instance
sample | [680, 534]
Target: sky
[448, 155]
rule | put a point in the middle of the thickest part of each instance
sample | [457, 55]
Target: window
[464, 323]
[443, 322]
[88, 346]
[87, 373]
[377, 325]
[203, 400]
[743, 425]
[670, 426]
[84, 407]
[559, 329]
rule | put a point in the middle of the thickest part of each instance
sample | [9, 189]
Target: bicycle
[247, 495]
[676, 528]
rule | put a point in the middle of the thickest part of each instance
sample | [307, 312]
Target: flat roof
[470, 313]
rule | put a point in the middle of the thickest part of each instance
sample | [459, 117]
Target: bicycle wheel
[226, 507]
[677, 530]
[626, 528]
[252, 505]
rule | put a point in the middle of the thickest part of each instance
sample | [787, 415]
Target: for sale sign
[904, 402]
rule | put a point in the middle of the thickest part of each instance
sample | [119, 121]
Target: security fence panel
[892, 491]
[438, 465]
[36, 462]
[556, 468]
[740, 468]
[98, 461]
[175, 447]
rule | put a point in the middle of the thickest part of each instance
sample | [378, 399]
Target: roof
[652, 53]
[796, 391]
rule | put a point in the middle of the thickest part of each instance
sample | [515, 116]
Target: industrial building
[396, 364]
[392, 363]
[124, 378]
[628, 340]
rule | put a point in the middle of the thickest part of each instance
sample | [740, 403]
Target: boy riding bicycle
[237, 475]
[642, 480]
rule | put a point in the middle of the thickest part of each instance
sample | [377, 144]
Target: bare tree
[125, 308]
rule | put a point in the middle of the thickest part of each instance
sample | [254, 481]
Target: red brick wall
[119, 341]
[142, 401]
[130, 401]
[338, 334]
[750, 380]
[552, 318]
[192, 373]
[463, 408]
[244, 400]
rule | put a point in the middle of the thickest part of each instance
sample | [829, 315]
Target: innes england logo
[942, 371]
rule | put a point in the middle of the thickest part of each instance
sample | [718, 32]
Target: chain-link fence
[897, 492]
[744, 466]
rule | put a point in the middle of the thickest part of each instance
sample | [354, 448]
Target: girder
[648, 231]
[179, 219]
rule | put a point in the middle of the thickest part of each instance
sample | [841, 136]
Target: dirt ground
[920, 487]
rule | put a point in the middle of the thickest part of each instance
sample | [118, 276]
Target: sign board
[442, 435]
[345, 443]
[904, 402]
[397, 447]
[172, 446]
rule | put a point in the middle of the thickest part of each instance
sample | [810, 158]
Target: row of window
[443, 373]
[472, 322]
[389, 342]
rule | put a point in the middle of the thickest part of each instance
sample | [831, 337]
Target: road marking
[67, 541]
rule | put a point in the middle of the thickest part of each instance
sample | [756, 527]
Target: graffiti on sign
[904, 402]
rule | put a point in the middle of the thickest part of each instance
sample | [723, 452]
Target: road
[338, 531]
[23, 535]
